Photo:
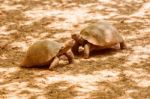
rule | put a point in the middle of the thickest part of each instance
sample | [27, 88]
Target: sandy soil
[108, 74]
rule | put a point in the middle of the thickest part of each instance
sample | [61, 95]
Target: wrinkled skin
[65, 50]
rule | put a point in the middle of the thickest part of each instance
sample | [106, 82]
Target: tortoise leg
[123, 45]
[70, 56]
[75, 48]
[86, 50]
[54, 62]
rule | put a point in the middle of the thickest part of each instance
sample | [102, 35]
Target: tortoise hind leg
[86, 50]
[54, 62]
[123, 45]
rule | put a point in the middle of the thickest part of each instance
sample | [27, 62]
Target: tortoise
[96, 36]
[47, 53]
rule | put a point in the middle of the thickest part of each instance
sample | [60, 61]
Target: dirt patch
[108, 74]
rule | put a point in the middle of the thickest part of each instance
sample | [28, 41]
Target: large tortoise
[47, 52]
[97, 36]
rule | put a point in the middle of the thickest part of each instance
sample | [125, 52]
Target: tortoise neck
[67, 46]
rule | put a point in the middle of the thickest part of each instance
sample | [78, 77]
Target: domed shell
[101, 34]
[40, 53]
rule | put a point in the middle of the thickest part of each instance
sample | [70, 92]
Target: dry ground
[109, 74]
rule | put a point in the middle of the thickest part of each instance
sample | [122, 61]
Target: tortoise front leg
[54, 62]
[70, 56]
[75, 48]
[87, 50]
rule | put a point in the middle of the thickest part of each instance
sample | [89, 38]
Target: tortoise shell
[41, 53]
[101, 34]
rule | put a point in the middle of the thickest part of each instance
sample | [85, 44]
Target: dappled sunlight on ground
[107, 74]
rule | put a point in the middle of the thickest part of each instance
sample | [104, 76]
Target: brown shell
[40, 53]
[101, 34]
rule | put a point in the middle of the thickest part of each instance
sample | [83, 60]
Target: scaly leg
[86, 50]
[54, 62]
[75, 48]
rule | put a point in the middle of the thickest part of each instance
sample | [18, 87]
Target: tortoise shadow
[108, 51]
[61, 64]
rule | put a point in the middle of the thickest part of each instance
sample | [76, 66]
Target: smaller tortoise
[97, 36]
[47, 53]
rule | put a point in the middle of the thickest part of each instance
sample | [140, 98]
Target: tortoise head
[68, 45]
[77, 38]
